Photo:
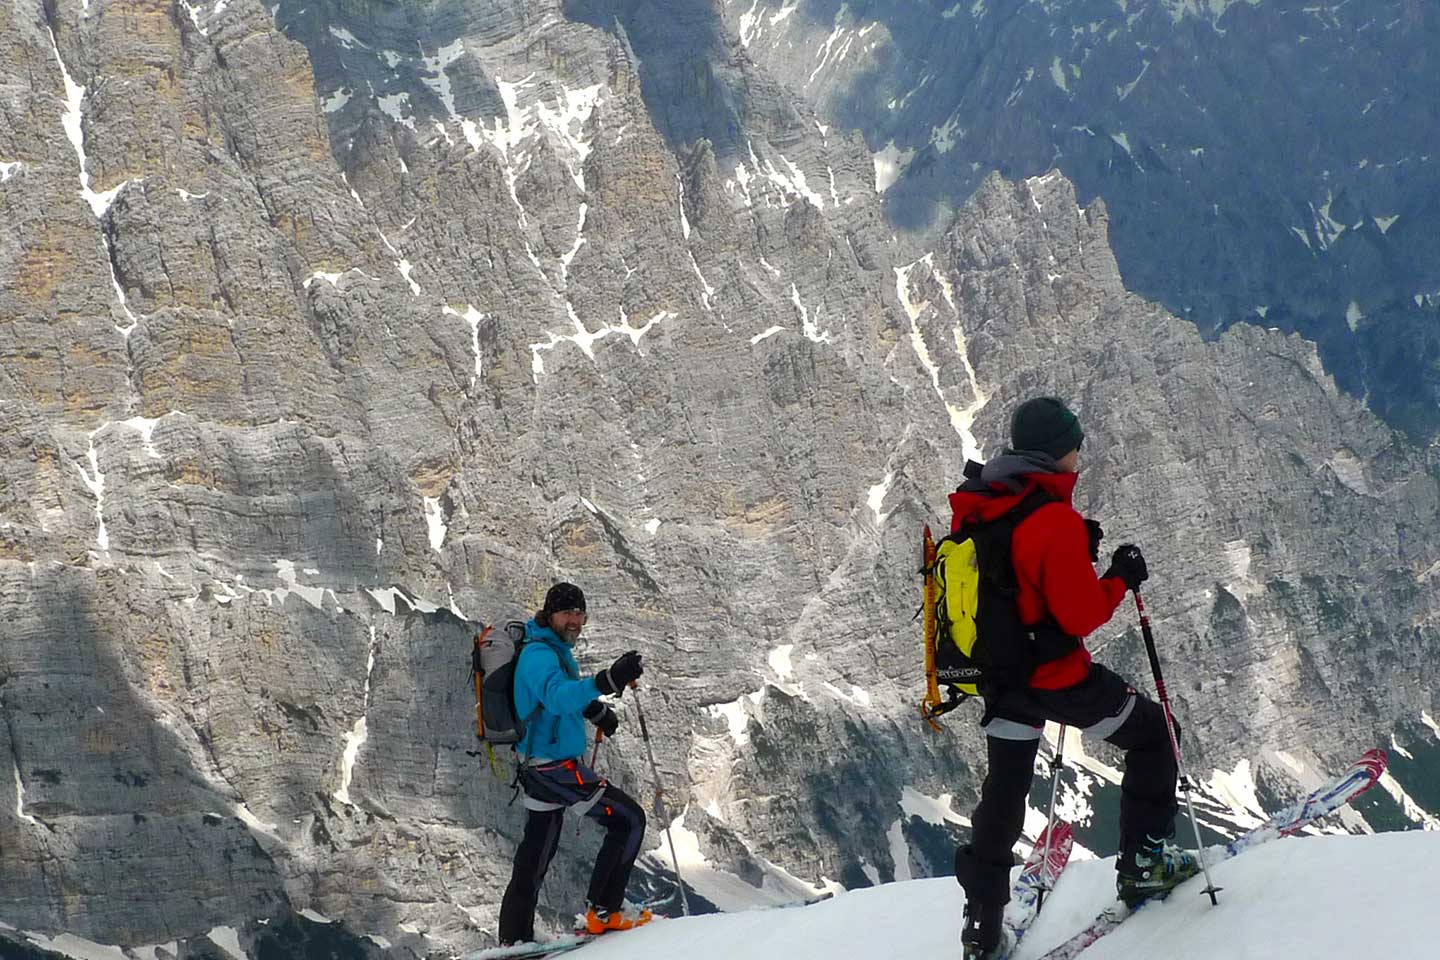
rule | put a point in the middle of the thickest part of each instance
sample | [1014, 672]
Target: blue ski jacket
[550, 697]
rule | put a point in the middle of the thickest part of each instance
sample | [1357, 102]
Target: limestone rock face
[325, 325]
[1269, 163]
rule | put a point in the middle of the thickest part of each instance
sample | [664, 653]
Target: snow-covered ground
[1316, 898]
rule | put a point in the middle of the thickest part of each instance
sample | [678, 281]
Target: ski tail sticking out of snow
[1039, 873]
[1359, 777]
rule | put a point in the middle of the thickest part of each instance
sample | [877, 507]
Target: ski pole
[1210, 888]
[1057, 763]
[660, 800]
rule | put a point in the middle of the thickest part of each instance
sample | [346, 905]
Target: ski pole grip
[1149, 637]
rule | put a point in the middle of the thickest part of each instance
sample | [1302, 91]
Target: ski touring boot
[984, 935]
[598, 921]
[1152, 869]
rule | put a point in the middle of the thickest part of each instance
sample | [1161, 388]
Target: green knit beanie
[1047, 425]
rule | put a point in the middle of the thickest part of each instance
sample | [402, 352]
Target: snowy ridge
[1280, 900]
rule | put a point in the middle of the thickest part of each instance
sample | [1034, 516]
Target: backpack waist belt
[554, 783]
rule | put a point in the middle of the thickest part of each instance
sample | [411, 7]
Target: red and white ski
[1036, 878]
[1359, 777]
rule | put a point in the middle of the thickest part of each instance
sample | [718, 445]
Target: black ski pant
[549, 789]
[1102, 706]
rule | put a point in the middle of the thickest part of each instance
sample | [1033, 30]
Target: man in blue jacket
[555, 702]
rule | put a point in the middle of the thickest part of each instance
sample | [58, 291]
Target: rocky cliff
[319, 321]
[1265, 161]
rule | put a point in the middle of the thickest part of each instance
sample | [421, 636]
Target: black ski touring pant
[549, 789]
[1103, 707]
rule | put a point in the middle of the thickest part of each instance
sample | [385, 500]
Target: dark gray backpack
[492, 668]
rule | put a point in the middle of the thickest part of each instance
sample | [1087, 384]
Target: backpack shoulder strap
[522, 643]
[560, 658]
[1028, 504]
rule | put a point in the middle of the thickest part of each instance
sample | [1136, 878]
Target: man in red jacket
[1059, 601]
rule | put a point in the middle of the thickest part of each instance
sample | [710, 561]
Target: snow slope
[1317, 898]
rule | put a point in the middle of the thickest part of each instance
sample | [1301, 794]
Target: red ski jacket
[1051, 554]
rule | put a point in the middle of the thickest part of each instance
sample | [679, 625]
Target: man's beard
[571, 634]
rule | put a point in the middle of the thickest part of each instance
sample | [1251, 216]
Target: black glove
[624, 671]
[1128, 563]
[603, 717]
[1097, 533]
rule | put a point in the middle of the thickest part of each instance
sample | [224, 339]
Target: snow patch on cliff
[727, 891]
[439, 80]
[1430, 722]
[585, 340]
[95, 482]
[962, 419]
[435, 522]
[876, 497]
[890, 165]
[935, 811]
[1412, 810]
[472, 318]
[20, 813]
[359, 733]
